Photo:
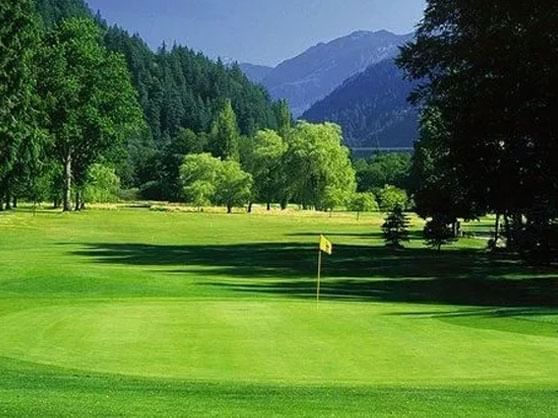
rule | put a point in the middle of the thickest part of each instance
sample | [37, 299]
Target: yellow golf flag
[325, 245]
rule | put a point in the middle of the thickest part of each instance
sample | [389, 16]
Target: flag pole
[319, 276]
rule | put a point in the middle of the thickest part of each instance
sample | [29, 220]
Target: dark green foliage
[396, 228]
[177, 89]
[438, 232]
[489, 70]
[180, 88]
[18, 39]
[381, 169]
[54, 11]
[372, 108]
[89, 99]
[224, 137]
[433, 180]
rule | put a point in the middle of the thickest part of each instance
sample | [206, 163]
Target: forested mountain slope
[372, 108]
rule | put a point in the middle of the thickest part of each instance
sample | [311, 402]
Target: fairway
[134, 311]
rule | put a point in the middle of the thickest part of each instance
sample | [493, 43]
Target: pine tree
[18, 41]
[395, 228]
[225, 135]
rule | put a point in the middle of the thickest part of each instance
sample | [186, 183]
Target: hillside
[372, 108]
[178, 87]
[255, 73]
[312, 75]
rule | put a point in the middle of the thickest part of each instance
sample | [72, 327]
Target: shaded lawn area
[465, 277]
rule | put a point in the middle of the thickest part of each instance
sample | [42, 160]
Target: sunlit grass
[138, 311]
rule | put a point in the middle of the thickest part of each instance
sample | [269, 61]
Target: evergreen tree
[89, 98]
[18, 41]
[395, 228]
[224, 138]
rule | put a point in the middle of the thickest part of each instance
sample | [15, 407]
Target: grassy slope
[135, 312]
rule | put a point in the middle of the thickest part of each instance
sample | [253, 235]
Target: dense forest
[102, 117]
[177, 88]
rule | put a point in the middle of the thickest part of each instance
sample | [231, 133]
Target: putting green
[278, 342]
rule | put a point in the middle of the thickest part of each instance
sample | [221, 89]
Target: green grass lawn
[136, 312]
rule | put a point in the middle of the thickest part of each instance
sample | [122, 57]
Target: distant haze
[256, 31]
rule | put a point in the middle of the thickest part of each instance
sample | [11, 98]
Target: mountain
[372, 108]
[255, 73]
[315, 73]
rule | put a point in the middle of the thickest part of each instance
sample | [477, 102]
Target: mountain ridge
[372, 108]
[312, 75]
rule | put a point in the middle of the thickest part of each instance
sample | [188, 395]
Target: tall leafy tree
[18, 41]
[489, 70]
[91, 104]
[198, 176]
[262, 156]
[234, 186]
[318, 165]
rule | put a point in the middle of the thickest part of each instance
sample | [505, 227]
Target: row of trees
[489, 136]
[306, 164]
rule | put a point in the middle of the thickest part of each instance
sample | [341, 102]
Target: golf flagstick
[319, 277]
[325, 247]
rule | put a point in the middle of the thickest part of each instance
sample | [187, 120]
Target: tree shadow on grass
[414, 235]
[456, 277]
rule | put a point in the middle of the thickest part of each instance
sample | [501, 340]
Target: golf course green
[138, 312]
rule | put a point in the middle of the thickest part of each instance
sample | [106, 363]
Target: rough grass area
[148, 312]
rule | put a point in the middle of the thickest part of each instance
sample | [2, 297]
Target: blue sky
[256, 31]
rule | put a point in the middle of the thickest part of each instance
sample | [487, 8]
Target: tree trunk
[15, 202]
[8, 202]
[268, 206]
[509, 234]
[250, 207]
[67, 182]
[284, 204]
[78, 201]
[358, 216]
[456, 227]
[229, 209]
[497, 229]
